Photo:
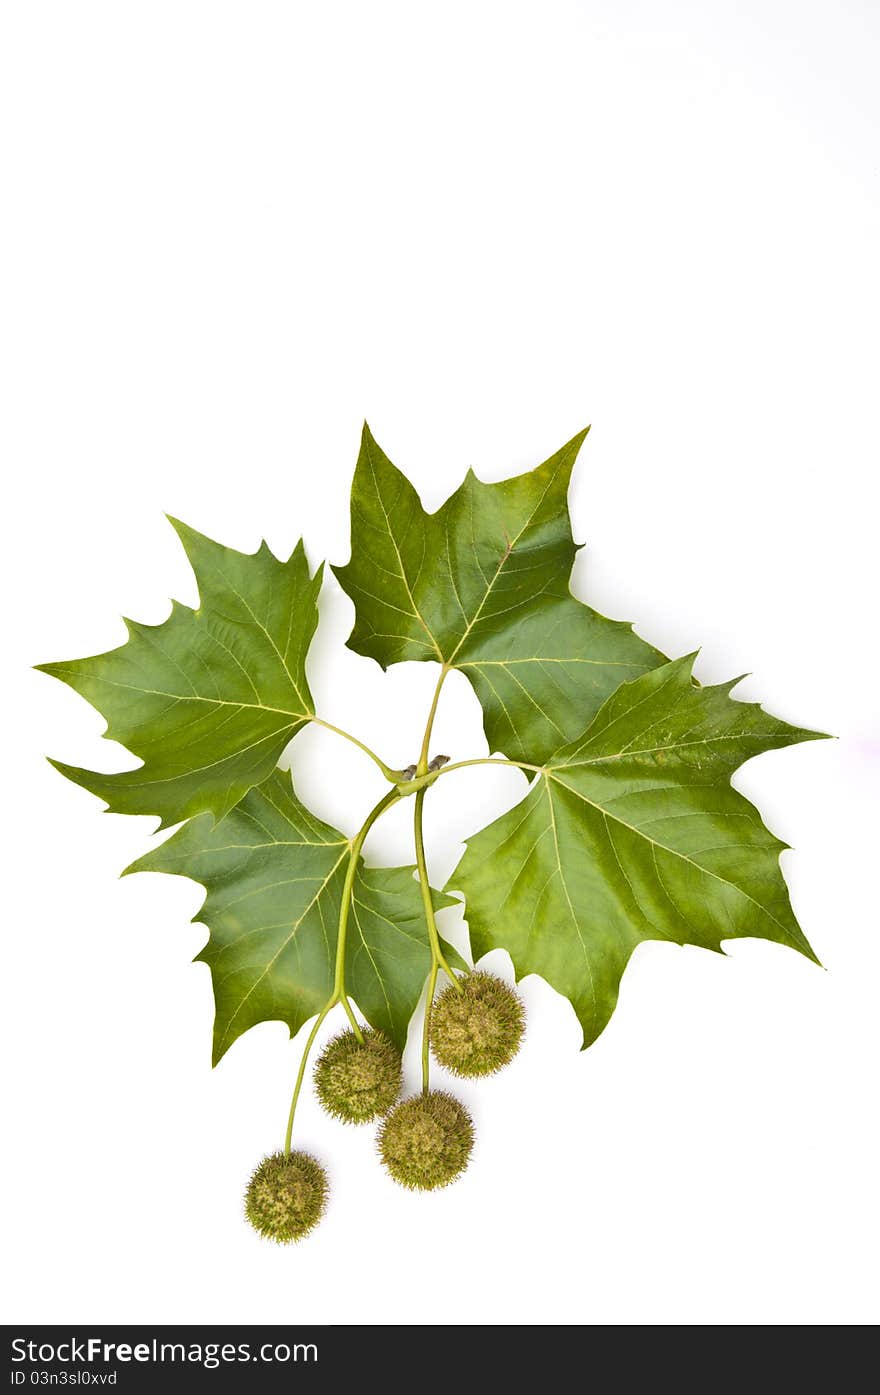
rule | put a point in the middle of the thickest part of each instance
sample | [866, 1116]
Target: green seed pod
[358, 1080]
[478, 1029]
[286, 1196]
[426, 1141]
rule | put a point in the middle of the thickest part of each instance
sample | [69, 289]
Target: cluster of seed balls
[424, 1141]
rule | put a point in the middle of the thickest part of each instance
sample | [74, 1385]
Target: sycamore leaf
[273, 874]
[482, 586]
[630, 833]
[208, 699]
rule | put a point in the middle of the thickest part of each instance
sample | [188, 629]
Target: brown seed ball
[477, 1030]
[286, 1196]
[426, 1141]
[358, 1080]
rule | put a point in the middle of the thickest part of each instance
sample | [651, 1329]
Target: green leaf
[633, 833]
[209, 699]
[482, 586]
[273, 874]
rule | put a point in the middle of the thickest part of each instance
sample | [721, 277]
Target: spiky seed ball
[425, 1142]
[478, 1030]
[358, 1080]
[286, 1196]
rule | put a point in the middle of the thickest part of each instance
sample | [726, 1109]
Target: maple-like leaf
[482, 585]
[208, 699]
[273, 874]
[630, 833]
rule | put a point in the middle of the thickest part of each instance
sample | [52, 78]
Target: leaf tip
[566, 457]
[297, 558]
[686, 663]
[70, 772]
[189, 537]
[800, 942]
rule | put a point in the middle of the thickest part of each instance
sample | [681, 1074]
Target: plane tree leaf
[273, 876]
[208, 699]
[632, 833]
[482, 586]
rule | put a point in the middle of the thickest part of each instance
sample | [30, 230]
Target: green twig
[355, 1025]
[301, 1073]
[426, 1034]
[425, 886]
[438, 959]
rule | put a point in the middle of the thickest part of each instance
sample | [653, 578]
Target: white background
[231, 231]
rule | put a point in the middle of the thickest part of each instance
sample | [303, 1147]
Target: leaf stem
[390, 774]
[422, 767]
[421, 782]
[490, 760]
[339, 994]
